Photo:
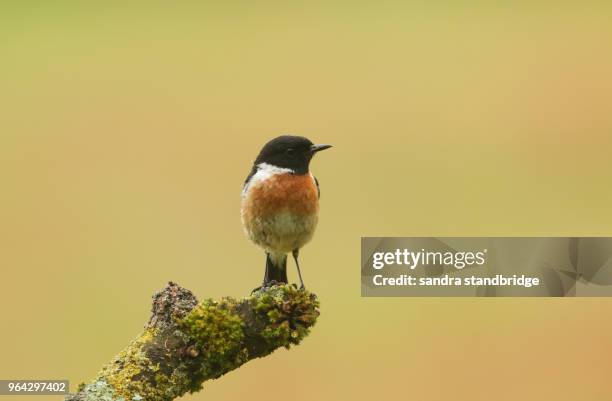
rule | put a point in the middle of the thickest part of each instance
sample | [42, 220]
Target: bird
[280, 203]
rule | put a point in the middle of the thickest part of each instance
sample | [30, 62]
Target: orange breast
[283, 192]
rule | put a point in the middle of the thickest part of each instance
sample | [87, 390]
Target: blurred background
[126, 132]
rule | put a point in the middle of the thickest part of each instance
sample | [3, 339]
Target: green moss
[286, 313]
[173, 386]
[123, 372]
[216, 331]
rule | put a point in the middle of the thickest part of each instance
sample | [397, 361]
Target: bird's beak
[318, 148]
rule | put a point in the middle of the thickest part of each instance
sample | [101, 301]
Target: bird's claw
[267, 285]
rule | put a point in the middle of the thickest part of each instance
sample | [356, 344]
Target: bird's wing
[248, 179]
[318, 189]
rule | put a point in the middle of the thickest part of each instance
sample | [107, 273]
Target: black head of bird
[288, 151]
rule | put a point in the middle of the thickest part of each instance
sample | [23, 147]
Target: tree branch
[186, 343]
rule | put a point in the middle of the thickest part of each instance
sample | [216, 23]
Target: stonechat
[280, 202]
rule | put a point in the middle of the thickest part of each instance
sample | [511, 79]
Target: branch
[186, 343]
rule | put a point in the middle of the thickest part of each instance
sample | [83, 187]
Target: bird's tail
[276, 269]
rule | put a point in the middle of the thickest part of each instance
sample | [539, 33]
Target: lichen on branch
[186, 343]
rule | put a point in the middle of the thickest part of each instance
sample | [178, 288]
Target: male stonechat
[280, 203]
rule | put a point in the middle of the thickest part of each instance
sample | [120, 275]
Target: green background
[126, 131]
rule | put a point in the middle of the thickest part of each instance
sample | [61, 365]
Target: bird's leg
[296, 253]
[266, 281]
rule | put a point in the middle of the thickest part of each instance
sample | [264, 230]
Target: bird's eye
[290, 151]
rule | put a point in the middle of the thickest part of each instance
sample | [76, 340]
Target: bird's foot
[267, 285]
[301, 287]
